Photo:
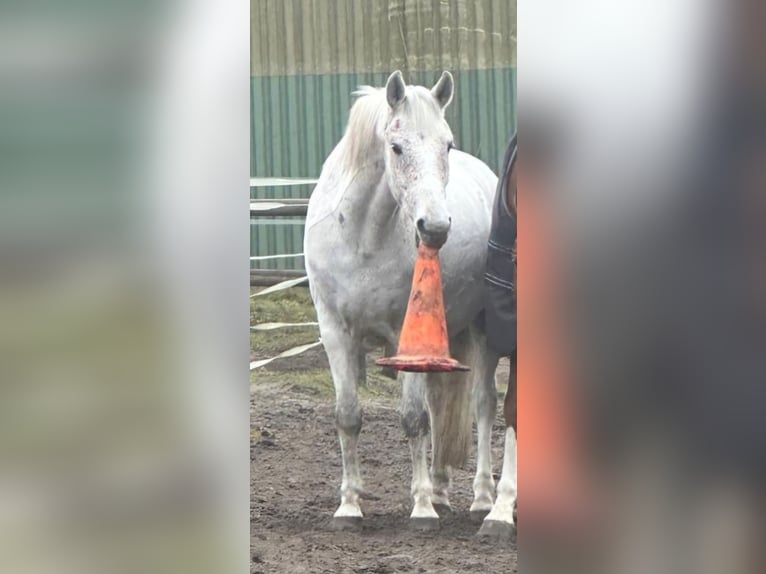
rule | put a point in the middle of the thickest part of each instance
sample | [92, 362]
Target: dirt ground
[296, 470]
[295, 475]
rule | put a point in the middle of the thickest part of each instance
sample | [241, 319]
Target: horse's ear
[444, 89]
[395, 89]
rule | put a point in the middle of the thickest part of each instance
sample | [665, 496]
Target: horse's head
[418, 141]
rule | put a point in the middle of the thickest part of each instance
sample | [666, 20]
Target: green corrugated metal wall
[307, 56]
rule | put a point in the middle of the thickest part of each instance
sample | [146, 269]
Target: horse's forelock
[420, 104]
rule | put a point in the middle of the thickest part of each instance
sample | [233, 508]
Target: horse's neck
[369, 211]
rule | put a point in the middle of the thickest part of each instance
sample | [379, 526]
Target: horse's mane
[367, 120]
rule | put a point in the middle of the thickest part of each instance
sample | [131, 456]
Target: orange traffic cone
[423, 343]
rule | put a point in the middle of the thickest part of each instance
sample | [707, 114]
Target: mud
[295, 476]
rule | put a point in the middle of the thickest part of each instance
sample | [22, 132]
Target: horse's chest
[374, 293]
[379, 291]
[368, 289]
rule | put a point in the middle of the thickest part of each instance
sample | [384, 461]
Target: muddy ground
[296, 471]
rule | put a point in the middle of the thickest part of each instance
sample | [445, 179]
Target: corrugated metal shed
[307, 56]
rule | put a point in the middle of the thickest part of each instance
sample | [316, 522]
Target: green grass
[294, 306]
[318, 383]
[315, 382]
[289, 306]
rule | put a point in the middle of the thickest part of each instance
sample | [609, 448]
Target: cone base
[422, 364]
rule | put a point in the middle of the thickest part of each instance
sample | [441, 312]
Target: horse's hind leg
[414, 419]
[500, 521]
[485, 400]
[344, 351]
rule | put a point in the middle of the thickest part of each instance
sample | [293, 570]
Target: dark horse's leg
[500, 521]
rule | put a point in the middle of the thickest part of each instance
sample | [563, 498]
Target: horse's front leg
[414, 419]
[344, 351]
[500, 521]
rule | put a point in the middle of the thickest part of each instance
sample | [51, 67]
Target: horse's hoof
[443, 509]
[478, 515]
[424, 523]
[341, 523]
[497, 530]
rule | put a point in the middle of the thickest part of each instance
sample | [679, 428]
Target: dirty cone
[423, 343]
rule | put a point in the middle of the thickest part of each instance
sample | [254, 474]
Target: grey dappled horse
[394, 176]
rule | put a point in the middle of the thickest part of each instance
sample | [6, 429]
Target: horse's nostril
[421, 225]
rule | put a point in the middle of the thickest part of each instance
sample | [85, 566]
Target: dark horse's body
[500, 316]
[501, 275]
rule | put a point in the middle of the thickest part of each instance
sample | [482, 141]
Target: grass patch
[318, 383]
[265, 344]
[315, 382]
[294, 305]
[379, 386]
[289, 306]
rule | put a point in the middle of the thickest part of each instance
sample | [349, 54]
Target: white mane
[366, 122]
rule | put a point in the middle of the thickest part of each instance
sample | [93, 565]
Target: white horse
[395, 178]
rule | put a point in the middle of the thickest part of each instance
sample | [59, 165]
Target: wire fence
[278, 279]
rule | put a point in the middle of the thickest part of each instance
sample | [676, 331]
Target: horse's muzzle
[433, 232]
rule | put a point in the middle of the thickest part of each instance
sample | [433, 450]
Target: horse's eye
[397, 149]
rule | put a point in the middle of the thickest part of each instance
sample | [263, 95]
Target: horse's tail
[451, 415]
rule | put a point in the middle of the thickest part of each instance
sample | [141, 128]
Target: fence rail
[287, 207]
[281, 181]
[269, 277]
